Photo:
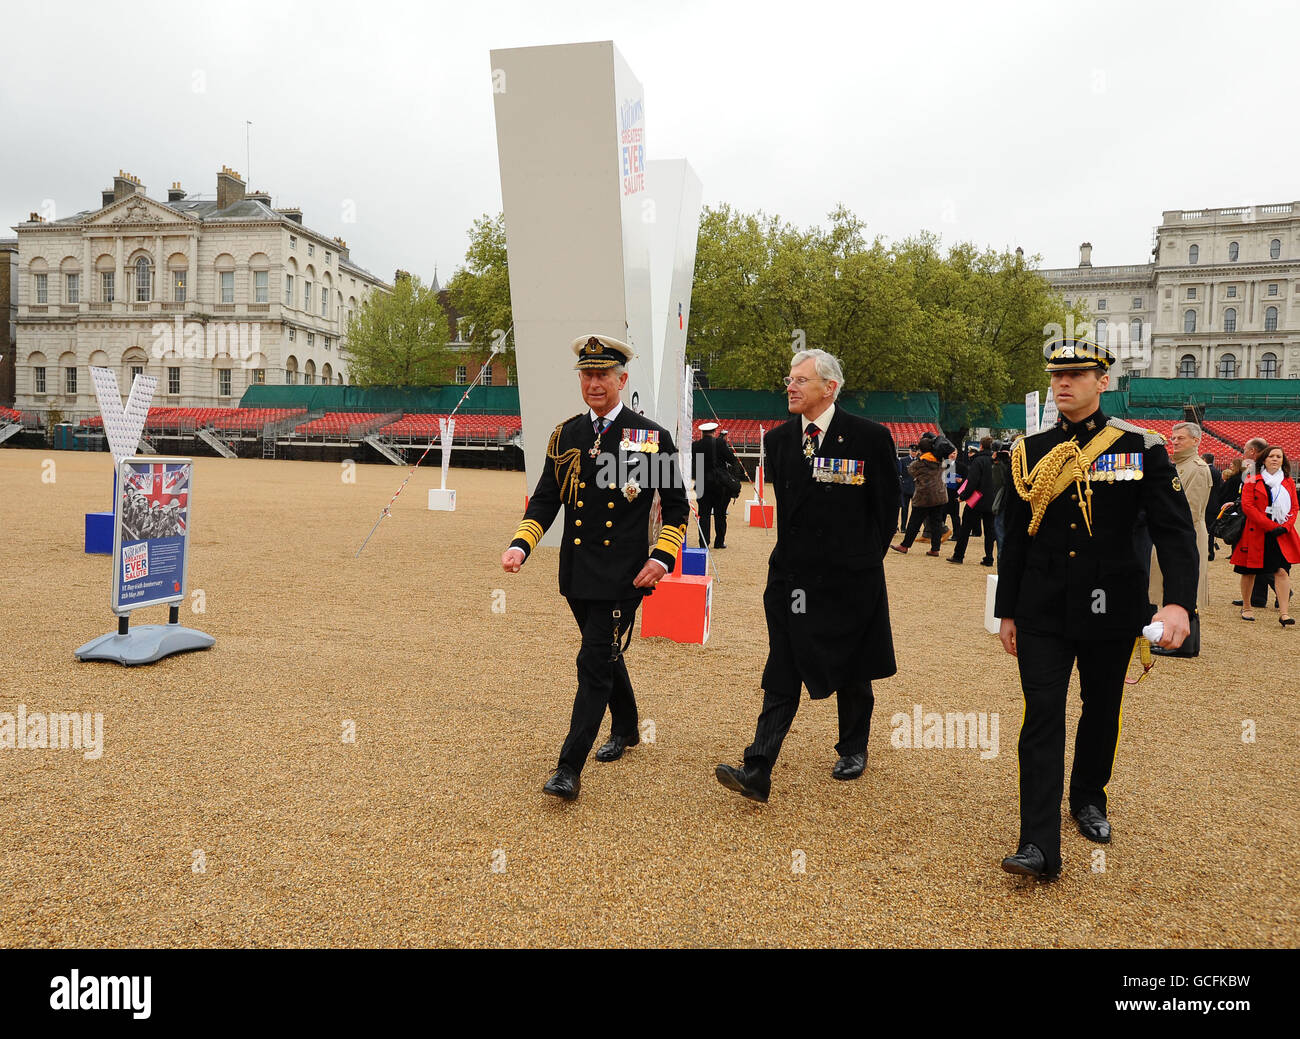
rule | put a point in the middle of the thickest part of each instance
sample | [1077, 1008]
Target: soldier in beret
[1071, 588]
[604, 467]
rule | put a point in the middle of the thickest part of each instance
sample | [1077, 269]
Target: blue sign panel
[151, 532]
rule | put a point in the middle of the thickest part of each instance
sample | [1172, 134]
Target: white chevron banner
[123, 426]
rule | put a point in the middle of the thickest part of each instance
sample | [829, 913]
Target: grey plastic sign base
[144, 644]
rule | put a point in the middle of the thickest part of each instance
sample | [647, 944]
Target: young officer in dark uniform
[604, 569]
[1070, 587]
[836, 485]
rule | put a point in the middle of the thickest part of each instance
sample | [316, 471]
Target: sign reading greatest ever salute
[151, 536]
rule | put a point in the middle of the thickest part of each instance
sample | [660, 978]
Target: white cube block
[442, 499]
[992, 624]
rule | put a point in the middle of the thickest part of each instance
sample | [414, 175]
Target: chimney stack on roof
[175, 193]
[125, 184]
[292, 212]
[230, 187]
[343, 247]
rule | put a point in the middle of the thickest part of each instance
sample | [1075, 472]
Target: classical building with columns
[1220, 299]
[209, 295]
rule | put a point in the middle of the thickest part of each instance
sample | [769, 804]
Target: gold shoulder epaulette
[567, 463]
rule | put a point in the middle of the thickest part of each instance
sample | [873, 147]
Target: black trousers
[854, 704]
[931, 515]
[1045, 665]
[953, 508]
[717, 509]
[903, 510]
[969, 521]
[602, 678]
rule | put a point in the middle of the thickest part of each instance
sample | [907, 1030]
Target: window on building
[1189, 321]
[179, 286]
[1232, 292]
[106, 287]
[1068, 304]
[259, 377]
[311, 339]
[306, 296]
[1102, 330]
[1135, 331]
[261, 287]
[324, 301]
[487, 376]
[1272, 290]
[510, 376]
[293, 241]
[143, 280]
[74, 288]
[291, 378]
[223, 382]
[1270, 319]
[1191, 292]
[328, 257]
[39, 374]
[70, 381]
[1169, 293]
[1101, 304]
[173, 381]
[293, 334]
[136, 369]
[311, 249]
[1275, 248]
[1228, 366]
[1230, 319]
[227, 286]
[308, 378]
[41, 284]
[1137, 303]
[326, 344]
[461, 375]
[1187, 367]
[288, 290]
[1233, 249]
[1268, 366]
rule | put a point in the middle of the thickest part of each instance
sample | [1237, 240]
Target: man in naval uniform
[1071, 588]
[604, 466]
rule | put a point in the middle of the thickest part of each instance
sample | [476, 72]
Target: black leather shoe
[565, 783]
[986, 562]
[1030, 862]
[850, 766]
[954, 559]
[612, 749]
[719, 546]
[751, 781]
[1092, 823]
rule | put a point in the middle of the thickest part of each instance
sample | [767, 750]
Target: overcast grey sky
[1031, 124]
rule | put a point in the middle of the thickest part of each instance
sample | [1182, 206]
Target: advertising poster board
[151, 532]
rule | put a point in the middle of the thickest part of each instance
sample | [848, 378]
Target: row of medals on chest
[833, 470]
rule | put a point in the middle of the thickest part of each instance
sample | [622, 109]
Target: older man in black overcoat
[837, 499]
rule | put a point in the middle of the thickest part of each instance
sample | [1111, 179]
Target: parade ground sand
[228, 810]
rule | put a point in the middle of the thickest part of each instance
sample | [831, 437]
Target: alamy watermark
[922, 730]
[53, 730]
[241, 340]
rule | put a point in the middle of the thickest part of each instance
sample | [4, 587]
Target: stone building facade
[1220, 299]
[209, 295]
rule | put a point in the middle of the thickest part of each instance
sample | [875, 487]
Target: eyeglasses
[801, 381]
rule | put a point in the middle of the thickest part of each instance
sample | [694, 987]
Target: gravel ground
[227, 808]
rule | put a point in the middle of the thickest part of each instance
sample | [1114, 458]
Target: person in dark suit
[604, 466]
[837, 494]
[907, 484]
[1212, 505]
[978, 496]
[1071, 588]
[708, 455]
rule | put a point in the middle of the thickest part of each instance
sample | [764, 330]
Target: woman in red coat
[1269, 544]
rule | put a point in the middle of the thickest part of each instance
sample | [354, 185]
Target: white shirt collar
[823, 420]
[591, 415]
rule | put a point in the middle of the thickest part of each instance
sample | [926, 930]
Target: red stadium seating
[1223, 453]
[468, 427]
[1285, 434]
[9, 415]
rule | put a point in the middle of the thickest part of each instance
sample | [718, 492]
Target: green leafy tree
[480, 292]
[400, 338]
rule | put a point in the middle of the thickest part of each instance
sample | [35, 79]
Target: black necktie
[600, 425]
[810, 437]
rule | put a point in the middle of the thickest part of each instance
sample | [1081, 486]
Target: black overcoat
[827, 611]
